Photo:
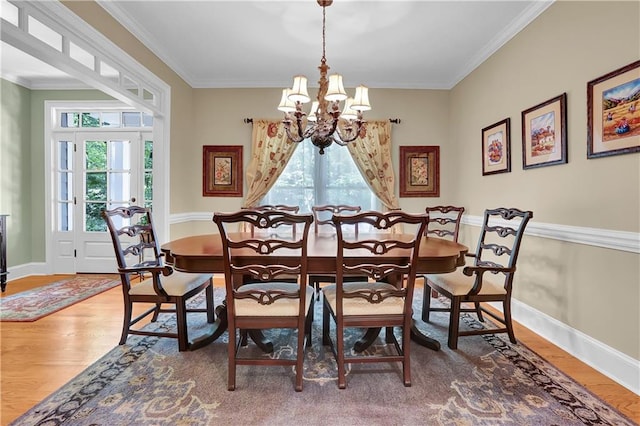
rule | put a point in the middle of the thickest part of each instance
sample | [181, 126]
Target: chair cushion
[176, 284]
[360, 306]
[281, 307]
[458, 284]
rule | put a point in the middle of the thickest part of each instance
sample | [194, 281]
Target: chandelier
[325, 124]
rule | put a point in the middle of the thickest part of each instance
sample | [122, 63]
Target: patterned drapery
[270, 153]
[372, 154]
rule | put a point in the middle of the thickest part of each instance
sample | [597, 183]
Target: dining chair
[267, 302]
[272, 207]
[385, 299]
[137, 253]
[444, 222]
[322, 220]
[489, 279]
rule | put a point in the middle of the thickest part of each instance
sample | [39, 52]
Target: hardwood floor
[39, 357]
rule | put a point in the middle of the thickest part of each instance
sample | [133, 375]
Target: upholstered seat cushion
[360, 306]
[176, 284]
[459, 284]
[281, 307]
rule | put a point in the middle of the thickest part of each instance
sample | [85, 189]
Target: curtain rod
[392, 120]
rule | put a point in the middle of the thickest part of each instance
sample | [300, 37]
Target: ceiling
[384, 44]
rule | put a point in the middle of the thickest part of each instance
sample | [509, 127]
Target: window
[312, 179]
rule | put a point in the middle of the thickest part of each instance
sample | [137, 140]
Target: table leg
[214, 331]
[422, 340]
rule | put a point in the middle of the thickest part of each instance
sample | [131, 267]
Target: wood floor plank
[39, 357]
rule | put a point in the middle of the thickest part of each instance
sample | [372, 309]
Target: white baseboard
[612, 363]
[26, 270]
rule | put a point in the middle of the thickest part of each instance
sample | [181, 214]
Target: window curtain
[372, 154]
[271, 150]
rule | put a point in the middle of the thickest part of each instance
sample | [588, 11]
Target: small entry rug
[487, 381]
[34, 304]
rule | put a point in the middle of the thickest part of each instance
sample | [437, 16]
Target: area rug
[39, 302]
[487, 381]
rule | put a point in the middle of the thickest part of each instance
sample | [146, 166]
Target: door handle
[133, 199]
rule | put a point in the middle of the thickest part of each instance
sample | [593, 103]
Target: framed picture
[222, 171]
[613, 113]
[419, 171]
[544, 133]
[496, 148]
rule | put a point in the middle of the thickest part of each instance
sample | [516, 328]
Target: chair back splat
[322, 217]
[272, 207]
[489, 279]
[384, 297]
[260, 294]
[137, 253]
[444, 222]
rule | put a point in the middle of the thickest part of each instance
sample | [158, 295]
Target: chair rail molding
[606, 238]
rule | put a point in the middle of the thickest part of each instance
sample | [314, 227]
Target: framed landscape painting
[496, 148]
[544, 133]
[222, 171]
[419, 171]
[613, 112]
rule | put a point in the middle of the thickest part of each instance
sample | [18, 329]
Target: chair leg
[181, 314]
[479, 311]
[507, 320]
[342, 381]
[300, 357]
[426, 303]
[454, 323]
[309, 322]
[211, 317]
[231, 350]
[154, 318]
[388, 334]
[326, 339]
[126, 322]
[406, 347]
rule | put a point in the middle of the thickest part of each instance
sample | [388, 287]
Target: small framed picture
[419, 171]
[222, 171]
[544, 133]
[613, 113]
[496, 148]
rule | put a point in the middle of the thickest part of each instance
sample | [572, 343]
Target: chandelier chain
[324, 16]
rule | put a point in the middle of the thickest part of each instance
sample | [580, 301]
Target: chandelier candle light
[325, 123]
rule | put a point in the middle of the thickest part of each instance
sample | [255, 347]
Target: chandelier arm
[287, 127]
[350, 135]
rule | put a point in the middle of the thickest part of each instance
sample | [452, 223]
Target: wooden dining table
[203, 254]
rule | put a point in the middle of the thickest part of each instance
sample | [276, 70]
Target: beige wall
[568, 45]
[591, 289]
[182, 151]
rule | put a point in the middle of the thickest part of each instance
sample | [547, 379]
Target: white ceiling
[384, 44]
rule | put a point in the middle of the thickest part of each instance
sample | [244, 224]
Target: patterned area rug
[39, 302]
[487, 381]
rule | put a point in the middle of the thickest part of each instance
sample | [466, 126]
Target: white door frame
[160, 168]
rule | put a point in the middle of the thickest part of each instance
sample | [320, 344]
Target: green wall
[15, 170]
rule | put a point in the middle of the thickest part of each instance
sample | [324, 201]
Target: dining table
[204, 254]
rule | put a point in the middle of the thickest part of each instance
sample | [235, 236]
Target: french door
[96, 171]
